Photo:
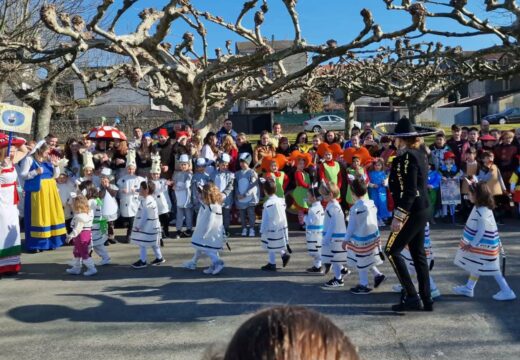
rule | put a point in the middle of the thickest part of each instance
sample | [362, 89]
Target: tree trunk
[412, 113]
[3, 90]
[350, 114]
[44, 111]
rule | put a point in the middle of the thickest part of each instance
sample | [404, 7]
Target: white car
[326, 122]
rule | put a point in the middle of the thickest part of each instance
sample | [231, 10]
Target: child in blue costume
[377, 190]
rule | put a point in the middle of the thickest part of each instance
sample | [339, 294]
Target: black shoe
[178, 234]
[315, 270]
[269, 267]
[162, 243]
[360, 290]
[334, 283]
[408, 304]
[158, 261]
[187, 233]
[327, 268]
[345, 271]
[428, 304]
[302, 227]
[107, 243]
[285, 259]
[139, 264]
[112, 240]
[378, 280]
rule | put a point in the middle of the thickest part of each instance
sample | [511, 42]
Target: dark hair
[68, 151]
[148, 185]
[269, 186]
[455, 127]
[290, 332]
[472, 129]
[51, 136]
[440, 135]
[465, 128]
[207, 141]
[264, 132]
[276, 123]
[471, 149]
[314, 191]
[482, 195]
[486, 154]
[91, 191]
[359, 187]
[137, 127]
[355, 128]
[300, 134]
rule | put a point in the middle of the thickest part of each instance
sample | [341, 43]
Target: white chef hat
[201, 162]
[245, 157]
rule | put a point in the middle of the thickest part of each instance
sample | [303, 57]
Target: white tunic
[146, 230]
[481, 233]
[314, 228]
[427, 248]
[274, 228]
[182, 188]
[162, 198]
[363, 236]
[335, 229]
[9, 225]
[129, 201]
[210, 234]
[99, 223]
[65, 190]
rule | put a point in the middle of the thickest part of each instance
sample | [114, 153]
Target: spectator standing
[226, 129]
[437, 150]
[301, 144]
[229, 147]
[136, 141]
[144, 155]
[277, 134]
[455, 143]
[506, 156]
[264, 148]
[165, 149]
[484, 128]
[244, 146]
[473, 141]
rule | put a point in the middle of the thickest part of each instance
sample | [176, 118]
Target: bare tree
[190, 82]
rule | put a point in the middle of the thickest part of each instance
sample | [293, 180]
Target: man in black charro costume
[408, 180]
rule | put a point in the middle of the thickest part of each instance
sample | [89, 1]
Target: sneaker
[244, 232]
[408, 304]
[315, 270]
[90, 272]
[285, 259]
[327, 268]
[302, 227]
[73, 271]
[112, 240]
[345, 271]
[178, 234]
[209, 270]
[228, 234]
[173, 221]
[188, 233]
[139, 264]
[397, 288]
[435, 293]
[504, 295]
[360, 290]
[106, 243]
[334, 283]
[104, 262]
[378, 280]
[158, 261]
[463, 290]
[268, 267]
[190, 265]
[252, 232]
[218, 268]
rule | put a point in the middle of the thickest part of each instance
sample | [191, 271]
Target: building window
[506, 84]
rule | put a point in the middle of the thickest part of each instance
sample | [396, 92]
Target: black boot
[427, 304]
[408, 303]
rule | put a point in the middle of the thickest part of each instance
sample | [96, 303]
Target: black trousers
[165, 224]
[412, 234]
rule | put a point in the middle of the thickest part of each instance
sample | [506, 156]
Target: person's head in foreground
[287, 333]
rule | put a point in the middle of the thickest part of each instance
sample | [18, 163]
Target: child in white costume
[314, 229]
[88, 170]
[429, 257]
[332, 251]
[162, 197]
[66, 187]
[81, 236]
[274, 229]
[208, 237]
[110, 209]
[247, 194]
[182, 187]
[129, 192]
[479, 250]
[362, 238]
[146, 230]
[224, 179]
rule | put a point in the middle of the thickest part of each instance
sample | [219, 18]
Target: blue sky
[320, 20]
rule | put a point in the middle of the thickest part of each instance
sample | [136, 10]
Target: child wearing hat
[272, 165]
[449, 170]
[199, 179]
[303, 183]
[224, 179]
[354, 171]
[88, 170]
[129, 192]
[182, 188]
[247, 194]
[161, 195]
[65, 188]
[110, 210]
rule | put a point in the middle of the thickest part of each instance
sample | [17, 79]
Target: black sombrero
[404, 128]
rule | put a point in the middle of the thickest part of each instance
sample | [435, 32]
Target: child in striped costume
[81, 236]
[362, 239]
[146, 230]
[479, 250]
[314, 230]
[274, 229]
[429, 257]
[332, 252]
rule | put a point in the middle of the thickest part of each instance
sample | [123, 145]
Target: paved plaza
[167, 312]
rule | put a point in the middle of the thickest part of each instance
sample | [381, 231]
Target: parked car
[326, 122]
[508, 116]
[172, 126]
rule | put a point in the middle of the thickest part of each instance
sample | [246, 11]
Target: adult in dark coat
[165, 149]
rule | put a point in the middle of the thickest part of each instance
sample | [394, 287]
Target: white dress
[314, 228]
[129, 201]
[274, 228]
[210, 234]
[335, 229]
[10, 245]
[146, 230]
[363, 236]
[481, 233]
[162, 198]
[99, 223]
